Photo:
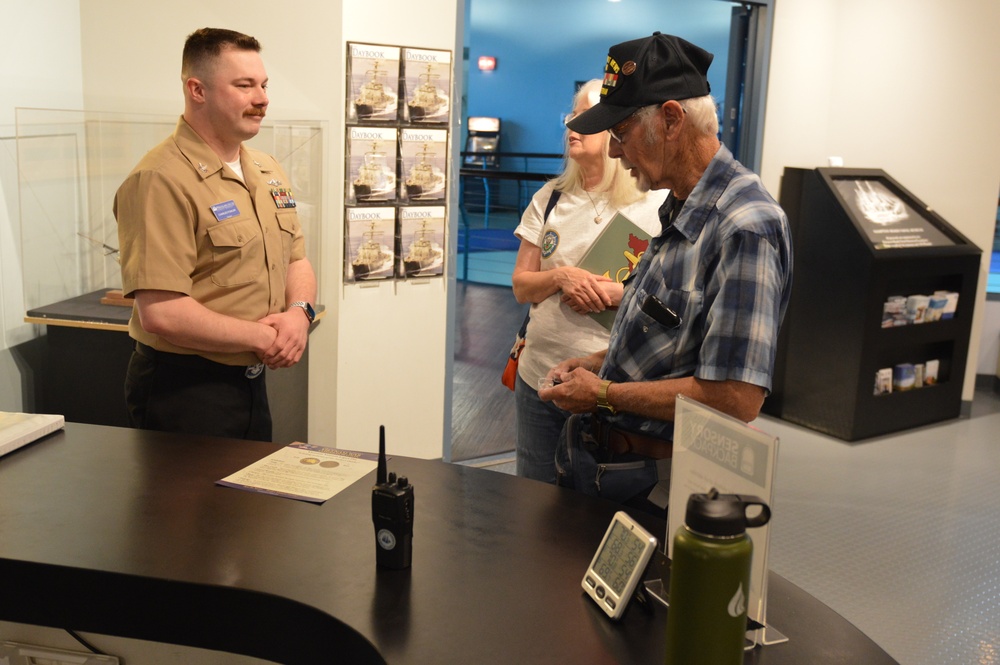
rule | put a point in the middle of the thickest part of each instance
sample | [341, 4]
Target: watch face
[602, 398]
[307, 308]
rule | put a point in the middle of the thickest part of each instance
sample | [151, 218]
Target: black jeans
[193, 395]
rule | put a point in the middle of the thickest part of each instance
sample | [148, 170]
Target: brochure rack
[861, 239]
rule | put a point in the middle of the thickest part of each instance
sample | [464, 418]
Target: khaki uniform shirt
[187, 223]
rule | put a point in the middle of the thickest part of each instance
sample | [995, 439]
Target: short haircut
[204, 45]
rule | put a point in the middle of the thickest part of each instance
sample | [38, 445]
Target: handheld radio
[392, 513]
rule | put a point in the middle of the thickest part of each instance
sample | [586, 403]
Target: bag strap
[553, 199]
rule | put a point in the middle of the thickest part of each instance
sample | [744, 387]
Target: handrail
[541, 155]
[505, 175]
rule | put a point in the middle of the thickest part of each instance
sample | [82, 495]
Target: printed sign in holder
[712, 449]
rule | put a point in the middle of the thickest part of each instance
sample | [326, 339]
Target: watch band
[602, 397]
[306, 307]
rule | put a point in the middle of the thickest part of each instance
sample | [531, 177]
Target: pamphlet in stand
[712, 449]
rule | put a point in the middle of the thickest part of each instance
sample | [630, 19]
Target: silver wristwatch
[310, 312]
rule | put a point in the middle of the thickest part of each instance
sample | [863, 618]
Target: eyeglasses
[618, 131]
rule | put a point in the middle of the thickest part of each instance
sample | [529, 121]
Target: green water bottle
[710, 579]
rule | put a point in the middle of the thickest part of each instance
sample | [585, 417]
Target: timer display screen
[623, 551]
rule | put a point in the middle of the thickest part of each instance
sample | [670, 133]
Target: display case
[883, 289]
[70, 164]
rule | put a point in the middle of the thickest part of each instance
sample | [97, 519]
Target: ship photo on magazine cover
[373, 83]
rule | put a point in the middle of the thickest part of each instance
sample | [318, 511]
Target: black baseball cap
[640, 72]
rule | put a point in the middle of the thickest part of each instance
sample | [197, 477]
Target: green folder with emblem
[615, 254]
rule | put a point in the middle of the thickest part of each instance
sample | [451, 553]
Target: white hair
[701, 112]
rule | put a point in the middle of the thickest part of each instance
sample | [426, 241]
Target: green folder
[615, 254]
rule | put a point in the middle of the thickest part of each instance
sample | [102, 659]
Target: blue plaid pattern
[725, 267]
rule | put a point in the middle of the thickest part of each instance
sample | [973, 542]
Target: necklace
[597, 213]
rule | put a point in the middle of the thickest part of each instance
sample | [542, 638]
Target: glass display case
[70, 164]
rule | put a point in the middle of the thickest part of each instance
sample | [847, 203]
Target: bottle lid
[714, 514]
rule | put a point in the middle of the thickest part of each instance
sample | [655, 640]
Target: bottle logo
[738, 605]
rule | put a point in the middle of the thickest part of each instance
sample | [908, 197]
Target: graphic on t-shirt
[550, 241]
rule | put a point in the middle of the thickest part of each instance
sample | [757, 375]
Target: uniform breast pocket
[237, 252]
[288, 222]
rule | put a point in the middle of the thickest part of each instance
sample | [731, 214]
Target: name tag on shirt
[224, 211]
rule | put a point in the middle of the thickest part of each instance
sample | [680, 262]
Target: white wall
[908, 86]
[40, 49]
[392, 354]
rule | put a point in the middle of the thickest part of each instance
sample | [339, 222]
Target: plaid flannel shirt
[725, 267]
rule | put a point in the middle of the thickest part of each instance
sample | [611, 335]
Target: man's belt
[622, 441]
[199, 363]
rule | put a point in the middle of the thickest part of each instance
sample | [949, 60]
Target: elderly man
[700, 314]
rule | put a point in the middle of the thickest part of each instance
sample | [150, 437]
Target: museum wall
[901, 85]
[393, 357]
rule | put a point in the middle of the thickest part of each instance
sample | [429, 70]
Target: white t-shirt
[555, 331]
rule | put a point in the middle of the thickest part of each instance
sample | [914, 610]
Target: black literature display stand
[877, 331]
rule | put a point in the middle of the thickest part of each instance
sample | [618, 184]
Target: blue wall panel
[543, 47]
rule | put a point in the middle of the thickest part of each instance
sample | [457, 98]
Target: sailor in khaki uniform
[213, 252]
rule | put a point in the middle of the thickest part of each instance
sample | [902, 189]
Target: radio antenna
[381, 474]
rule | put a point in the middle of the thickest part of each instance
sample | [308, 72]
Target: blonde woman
[561, 223]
